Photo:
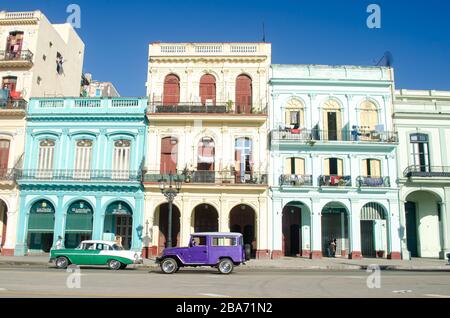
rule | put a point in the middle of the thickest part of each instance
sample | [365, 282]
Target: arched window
[171, 94]
[121, 158]
[420, 155]
[243, 159]
[169, 155]
[243, 94]
[208, 89]
[4, 156]
[371, 168]
[334, 167]
[83, 158]
[294, 114]
[332, 120]
[205, 160]
[46, 156]
[368, 116]
[294, 166]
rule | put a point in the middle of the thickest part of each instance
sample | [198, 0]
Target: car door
[89, 254]
[198, 252]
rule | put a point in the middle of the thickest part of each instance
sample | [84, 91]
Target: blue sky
[117, 33]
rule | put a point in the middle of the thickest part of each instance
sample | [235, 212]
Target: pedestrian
[59, 243]
[118, 240]
[332, 248]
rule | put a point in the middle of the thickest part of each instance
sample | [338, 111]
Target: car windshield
[117, 247]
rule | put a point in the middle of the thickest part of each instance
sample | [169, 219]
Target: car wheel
[169, 266]
[114, 264]
[225, 266]
[123, 266]
[62, 262]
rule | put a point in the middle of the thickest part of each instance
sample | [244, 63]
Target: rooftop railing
[74, 175]
[427, 171]
[205, 108]
[333, 135]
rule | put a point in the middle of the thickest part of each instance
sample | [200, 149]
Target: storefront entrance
[119, 223]
[41, 224]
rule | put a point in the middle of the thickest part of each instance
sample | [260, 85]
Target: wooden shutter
[169, 155]
[299, 166]
[207, 88]
[244, 93]
[4, 154]
[364, 171]
[326, 170]
[375, 168]
[287, 166]
[340, 165]
[171, 94]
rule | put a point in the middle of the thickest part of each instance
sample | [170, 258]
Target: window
[420, 157]
[294, 113]
[294, 166]
[171, 93]
[332, 120]
[198, 241]
[368, 116]
[243, 159]
[169, 155]
[98, 92]
[4, 156]
[9, 83]
[205, 160]
[224, 241]
[371, 168]
[121, 158]
[14, 45]
[208, 89]
[83, 158]
[333, 167]
[243, 94]
[46, 157]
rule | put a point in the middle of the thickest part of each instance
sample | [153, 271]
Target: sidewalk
[421, 264]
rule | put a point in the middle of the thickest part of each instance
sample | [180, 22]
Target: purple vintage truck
[220, 250]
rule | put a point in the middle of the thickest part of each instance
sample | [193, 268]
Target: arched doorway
[41, 223]
[243, 94]
[206, 218]
[423, 224]
[118, 223]
[335, 227]
[3, 223]
[332, 120]
[243, 220]
[163, 222]
[374, 241]
[208, 89]
[171, 93]
[78, 223]
[291, 228]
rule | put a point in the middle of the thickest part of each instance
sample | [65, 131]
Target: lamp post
[170, 192]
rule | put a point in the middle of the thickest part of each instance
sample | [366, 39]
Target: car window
[88, 246]
[117, 247]
[198, 241]
[103, 247]
[224, 241]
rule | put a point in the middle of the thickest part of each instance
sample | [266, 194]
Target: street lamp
[170, 192]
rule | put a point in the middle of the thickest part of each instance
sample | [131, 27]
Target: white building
[333, 161]
[94, 88]
[422, 119]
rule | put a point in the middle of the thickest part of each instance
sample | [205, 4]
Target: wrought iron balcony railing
[427, 171]
[13, 104]
[364, 181]
[79, 175]
[314, 135]
[7, 174]
[335, 181]
[199, 108]
[23, 55]
[209, 177]
[295, 180]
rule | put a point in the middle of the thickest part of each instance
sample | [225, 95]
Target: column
[277, 236]
[354, 231]
[394, 239]
[60, 220]
[343, 249]
[445, 231]
[138, 226]
[316, 229]
[185, 221]
[8, 248]
[97, 229]
[21, 247]
[402, 232]
[306, 231]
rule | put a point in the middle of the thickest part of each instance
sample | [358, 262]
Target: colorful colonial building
[32, 63]
[207, 124]
[81, 176]
[333, 162]
[422, 119]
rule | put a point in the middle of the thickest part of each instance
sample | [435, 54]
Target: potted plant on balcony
[187, 174]
[227, 174]
[229, 105]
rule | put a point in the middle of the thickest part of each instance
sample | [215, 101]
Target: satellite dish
[386, 60]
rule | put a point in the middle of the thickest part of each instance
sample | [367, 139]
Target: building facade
[333, 162]
[422, 119]
[41, 59]
[81, 176]
[93, 88]
[207, 124]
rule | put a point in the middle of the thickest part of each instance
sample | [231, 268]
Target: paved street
[42, 281]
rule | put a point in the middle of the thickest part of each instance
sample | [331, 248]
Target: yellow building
[207, 125]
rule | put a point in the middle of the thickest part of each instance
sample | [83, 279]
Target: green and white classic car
[95, 253]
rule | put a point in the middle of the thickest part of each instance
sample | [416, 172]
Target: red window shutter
[243, 93]
[169, 155]
[207, 88]
[171, 94]
[4, 156]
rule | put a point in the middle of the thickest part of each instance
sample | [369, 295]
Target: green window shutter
[41, 222]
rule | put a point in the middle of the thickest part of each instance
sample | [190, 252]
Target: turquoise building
[81, 176]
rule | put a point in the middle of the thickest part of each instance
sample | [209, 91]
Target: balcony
[21, 59]
[13, 104]
[199, 108]
[295, 180]
[335, 181]
[427, 171]
[210, 177]
[87, 106]
[71, 175]
[371, 182]
[7, 175]
[315, 135]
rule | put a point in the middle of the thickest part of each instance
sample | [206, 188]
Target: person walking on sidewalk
[332, 248]
[59, 243]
